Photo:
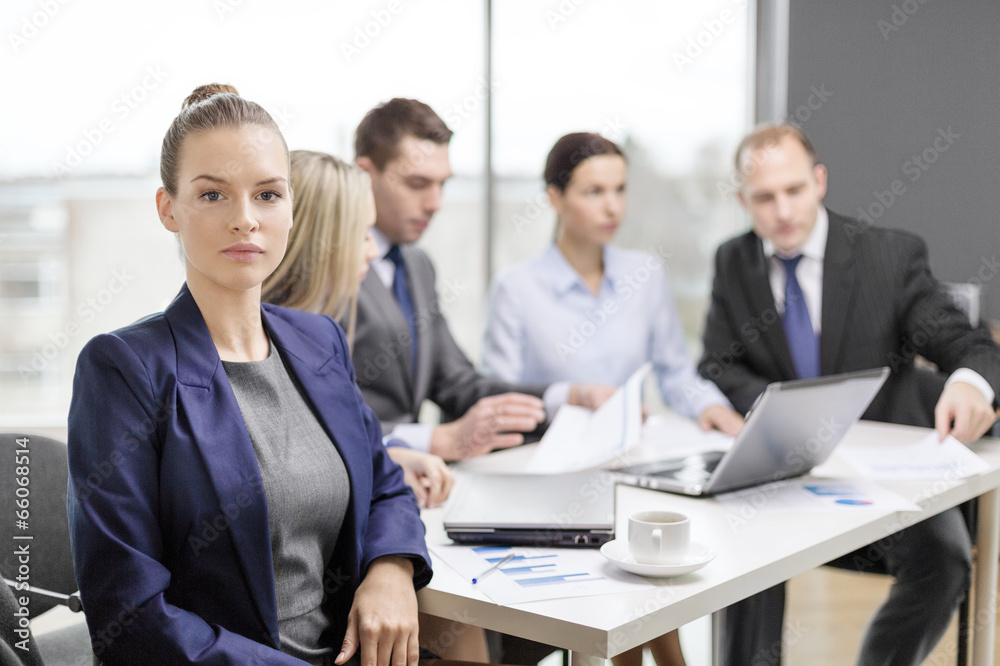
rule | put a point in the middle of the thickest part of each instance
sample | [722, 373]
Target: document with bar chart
[534, 574]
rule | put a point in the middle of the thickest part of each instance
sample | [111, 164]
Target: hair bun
[201, 93]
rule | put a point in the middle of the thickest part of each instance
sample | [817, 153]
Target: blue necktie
[401, 288]
[802, 340]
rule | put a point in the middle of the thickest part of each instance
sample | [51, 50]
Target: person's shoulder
[524, 272]
[866, 236]
[414, 255]
[145, 348]
[309, 323]
[630, 259]
[739, 244]
[144, 336]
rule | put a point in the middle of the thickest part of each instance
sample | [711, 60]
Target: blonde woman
[329, 247]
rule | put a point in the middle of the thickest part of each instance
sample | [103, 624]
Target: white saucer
[698, 556]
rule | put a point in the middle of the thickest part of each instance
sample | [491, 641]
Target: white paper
[823, 495]
[671, 435]
[923, 460]
[536, 574]
[579, 439]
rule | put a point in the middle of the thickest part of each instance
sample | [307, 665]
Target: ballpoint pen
[497, 565]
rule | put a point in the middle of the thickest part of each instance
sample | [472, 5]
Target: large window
[666, 80]
[95, 84]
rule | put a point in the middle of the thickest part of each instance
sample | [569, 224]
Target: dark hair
[570, 151]
[765, 136]
[380, 131]
[209, 107]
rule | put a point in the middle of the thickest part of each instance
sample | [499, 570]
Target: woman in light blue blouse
[585, 311]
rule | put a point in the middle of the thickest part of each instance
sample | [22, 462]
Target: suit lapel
[424, 311]
[393, 321]
[839, 281]
[208, 406]
[761, 299]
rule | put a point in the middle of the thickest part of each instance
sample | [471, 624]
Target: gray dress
[307, 491]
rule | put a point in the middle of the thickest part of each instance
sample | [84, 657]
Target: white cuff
[416, 435]
[969, 376]
[555, 396]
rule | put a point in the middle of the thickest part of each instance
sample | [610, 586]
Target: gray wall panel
[893, 87]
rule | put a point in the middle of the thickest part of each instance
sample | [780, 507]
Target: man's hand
[383, 617]
[425, 473]
[495, 422]
[721, 418]
[962, 411]
[590, 396]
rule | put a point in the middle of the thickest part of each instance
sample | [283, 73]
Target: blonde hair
[321, 269]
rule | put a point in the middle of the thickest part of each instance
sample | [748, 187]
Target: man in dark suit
[403, 145]
[808, 292]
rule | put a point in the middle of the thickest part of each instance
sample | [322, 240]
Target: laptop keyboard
[690, 469]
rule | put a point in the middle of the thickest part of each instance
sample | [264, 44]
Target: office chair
[40, 527]
[15, 649]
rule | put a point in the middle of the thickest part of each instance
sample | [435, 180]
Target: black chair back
[33, 475]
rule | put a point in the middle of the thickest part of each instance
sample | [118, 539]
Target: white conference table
[753, 554]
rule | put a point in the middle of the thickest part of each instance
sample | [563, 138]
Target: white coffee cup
[658, 537]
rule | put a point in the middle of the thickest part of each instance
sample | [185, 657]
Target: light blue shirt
[545, 324]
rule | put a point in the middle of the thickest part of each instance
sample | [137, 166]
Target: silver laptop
[792, 427]
[576, 510]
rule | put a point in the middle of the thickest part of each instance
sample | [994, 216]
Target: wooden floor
[826, 614]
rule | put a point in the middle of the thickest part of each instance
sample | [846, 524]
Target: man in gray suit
[808, 292]
[403, 145]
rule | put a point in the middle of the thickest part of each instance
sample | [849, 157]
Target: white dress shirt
[545, 324]
[809, 273]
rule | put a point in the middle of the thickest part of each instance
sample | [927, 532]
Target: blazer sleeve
[113, 505]
[933, 326]
[394, 526]
[724, 358]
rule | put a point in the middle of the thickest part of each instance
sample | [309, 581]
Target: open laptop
[792, 427]
[576, 510]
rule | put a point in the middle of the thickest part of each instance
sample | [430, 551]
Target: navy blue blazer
[167, 511]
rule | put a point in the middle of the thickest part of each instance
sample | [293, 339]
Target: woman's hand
[426, 473]
[383, 617]
[722, 419]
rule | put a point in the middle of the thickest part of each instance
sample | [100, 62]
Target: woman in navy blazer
[168, 513]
